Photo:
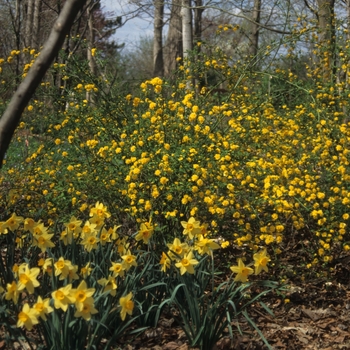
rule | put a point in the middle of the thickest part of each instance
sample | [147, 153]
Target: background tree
[158, 69]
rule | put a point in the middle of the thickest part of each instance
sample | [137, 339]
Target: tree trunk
[326, 39]
[26, 89]
[187, 37]
[35, 42]
[90, 46]
[91, 38]
[158, 62]
[174, 38]
[254, 31]
[29, 23]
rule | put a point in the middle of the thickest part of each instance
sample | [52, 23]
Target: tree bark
[29, 23]
[254, 30]
[35, 42]
[187, 36]
[158, 62]
[198, 10]
[174, 38]
[26, 89]
[326, 39]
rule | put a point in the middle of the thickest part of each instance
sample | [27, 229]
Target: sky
[133, 29]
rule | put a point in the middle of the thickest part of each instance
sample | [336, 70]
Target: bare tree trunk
[326, 42]
[35, 42]
[254, 31]
[158, 62]
[26, 89]
[198, 10]
[187, 37]
[174, 38]
[29, 23]
[91, 38]
[90, 46]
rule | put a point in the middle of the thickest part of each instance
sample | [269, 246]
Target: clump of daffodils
[61, 284]
[69, 286]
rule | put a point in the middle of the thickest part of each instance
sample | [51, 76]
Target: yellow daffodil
[117, 269]
[28, 317]
[144, 233]
[186, 264]
[27, 278]
[86, 270]
[100, 210]
[12, 292]
[90, 241]
[62, 268]
[81, 293]
[242, 271]
[129, 260]
[164, 262]
[63, 297]
[43, 241]
[98, 221]
[261, 260]
[43, 307]
[191, 227]
[3, 228]
[13, 222]
[87, 309]
[127, 305]
[177, 249]
[110, 285]
[105, 237]
[205, 245]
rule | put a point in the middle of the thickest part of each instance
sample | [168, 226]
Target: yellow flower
[260, 261]
[73, 226]
[62, 268]
[12, 292]
[28, 317]
[129, 260]
[27, 278]
[13, 222]
[3, 228]
[242, 271]
[43, 241]
[105, 236]
[191, 227]
[63, 297]
[186, 264]
[90, 241]
[97, 220]
[86, 270]
[29, 224]
[225, 244]
[144, 233]
[165, 262]
[177, 249]
[117, 269]
[127, 305]
[87, 309]
[43, 307]
[100, 210]
[47, 266]
[81, 294]
[206, 245]
[110, 285]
